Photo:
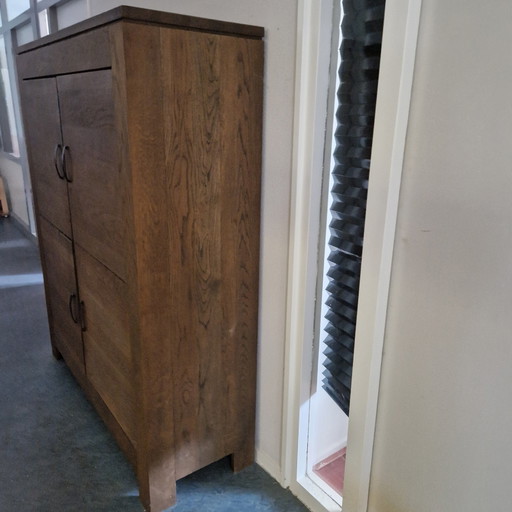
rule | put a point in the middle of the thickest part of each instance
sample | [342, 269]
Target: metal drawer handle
[66, 171]
[72, 307]
[57, 160]
[82, 316]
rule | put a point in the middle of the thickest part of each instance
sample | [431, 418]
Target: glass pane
[44, 25]
[16, 7]
[7, 122]
[24, 34]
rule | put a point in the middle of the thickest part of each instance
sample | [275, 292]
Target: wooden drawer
[90, 50]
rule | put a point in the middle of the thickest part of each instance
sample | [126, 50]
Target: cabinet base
[242, 458]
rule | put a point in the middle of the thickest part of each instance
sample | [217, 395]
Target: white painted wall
[328, 427]
[72, 12]
[444, 423]
[280, 20]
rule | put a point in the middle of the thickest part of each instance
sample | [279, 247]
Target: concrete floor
[55, 453]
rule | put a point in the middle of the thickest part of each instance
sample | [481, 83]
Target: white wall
[328, 427]
[279, 20]
[71, 12]
[444, 424]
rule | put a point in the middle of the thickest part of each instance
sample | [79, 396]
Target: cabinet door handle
[82, 316]
[57, 161]
[72, 307]
[66, 171]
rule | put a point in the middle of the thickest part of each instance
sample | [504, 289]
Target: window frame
[401, 26]
[8, 30]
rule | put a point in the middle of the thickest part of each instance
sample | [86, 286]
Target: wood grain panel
[83, 52]
[213, 164]
[60, 286]
[136, 14]
[42, 132]
[98, 179]
[151, 286]
[182, 21]
[107, 344]
[241, 100]
[191, 100]
[124, 442]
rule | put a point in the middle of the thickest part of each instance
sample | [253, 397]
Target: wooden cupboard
[143, 132]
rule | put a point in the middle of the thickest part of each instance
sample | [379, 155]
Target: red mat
[332, 470]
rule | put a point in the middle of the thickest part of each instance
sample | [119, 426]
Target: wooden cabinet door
[61, 294]
[43, 134]
[93, 164]
[107, 346]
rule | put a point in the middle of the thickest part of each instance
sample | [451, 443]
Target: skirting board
[270, 465]
[311, 497]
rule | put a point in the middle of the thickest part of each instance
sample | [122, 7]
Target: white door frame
[401, 28]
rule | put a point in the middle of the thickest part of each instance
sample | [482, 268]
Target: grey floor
[55, 453]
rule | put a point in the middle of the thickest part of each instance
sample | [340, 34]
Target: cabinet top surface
[147, 16]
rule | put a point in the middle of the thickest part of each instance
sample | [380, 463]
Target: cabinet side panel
[191, 69]
[137, 82]
[213, 188]
[241, 107]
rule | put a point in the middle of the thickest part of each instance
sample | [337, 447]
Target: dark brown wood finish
[110, 421]
[107, 347]
[62, 294]
[213, 161]
[41, 116]
[83, 52]
[190, 80]
[151, 293]
[147, 16]
[241, 83]
[162, 124]
[92, 164]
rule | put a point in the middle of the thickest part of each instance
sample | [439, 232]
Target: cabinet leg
[155, 500]
[242, 458]
[56, 353]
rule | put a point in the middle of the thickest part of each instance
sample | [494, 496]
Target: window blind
[361, 38]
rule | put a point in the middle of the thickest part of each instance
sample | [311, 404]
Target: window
[357, 95]
[22, 21]
[7, 124]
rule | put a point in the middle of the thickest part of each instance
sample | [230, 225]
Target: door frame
[401, 27]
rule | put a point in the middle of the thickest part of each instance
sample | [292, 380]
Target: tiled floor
[332, 470]
[55, 453]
